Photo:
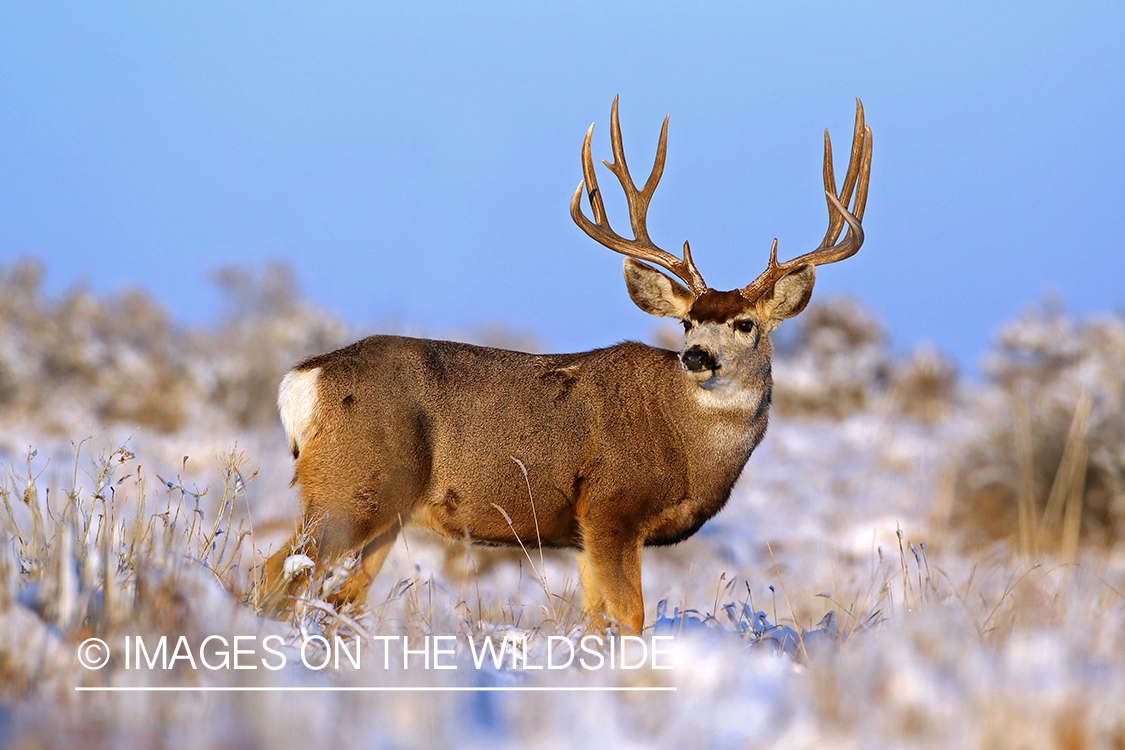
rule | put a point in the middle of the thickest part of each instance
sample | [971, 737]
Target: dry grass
[917, 638]
[940, 639]
[110, 550]
[1046, 466]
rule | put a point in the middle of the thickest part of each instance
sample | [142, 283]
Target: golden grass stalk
[1025, 468]
[1070, 479]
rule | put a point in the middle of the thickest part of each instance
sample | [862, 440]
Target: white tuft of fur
[296, 400]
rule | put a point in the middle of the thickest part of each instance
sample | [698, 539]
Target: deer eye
[744, 326]
[687, 325]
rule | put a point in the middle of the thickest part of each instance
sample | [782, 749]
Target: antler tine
[639, 199]
[641, 247]
[857, 177]
[590, 179]
[835, 220]
[860, 204]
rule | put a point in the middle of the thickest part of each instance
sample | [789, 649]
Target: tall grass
[1045, 463]
[96, 554]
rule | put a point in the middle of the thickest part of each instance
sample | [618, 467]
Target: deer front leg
[609, 568]
[593, 602]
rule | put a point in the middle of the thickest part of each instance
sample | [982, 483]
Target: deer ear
[654, 292]
[791, 292]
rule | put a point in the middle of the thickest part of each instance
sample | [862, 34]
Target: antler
[641, 247]
[859, 170]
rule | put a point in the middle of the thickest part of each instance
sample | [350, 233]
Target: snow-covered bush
[833, 363]
[84, 359]
[924, 386]
[266, 329]
[67, 365]
[1048, 464]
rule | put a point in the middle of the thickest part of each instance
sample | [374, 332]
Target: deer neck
[730, 413]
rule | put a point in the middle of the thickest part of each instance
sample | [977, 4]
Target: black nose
[697, 359]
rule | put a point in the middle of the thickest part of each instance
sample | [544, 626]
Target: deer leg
[374, 554]
[613, 562]
[276, 588]
[330, 528]
[321, 542]
[593, 602]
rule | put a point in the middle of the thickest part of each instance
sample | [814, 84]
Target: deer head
[725, 333]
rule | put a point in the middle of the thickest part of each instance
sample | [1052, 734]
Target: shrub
[113, 360]
[834, 363]
[924, 386]
[1048, 464]
[66, 364]
[265, 330]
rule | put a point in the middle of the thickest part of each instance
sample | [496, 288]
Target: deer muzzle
[699, 361]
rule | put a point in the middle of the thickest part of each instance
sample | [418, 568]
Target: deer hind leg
[277, 588]
[348, 504]
[322, 538]
[609, 568]
[354, 590]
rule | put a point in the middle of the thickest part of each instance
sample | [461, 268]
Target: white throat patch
[725, 393]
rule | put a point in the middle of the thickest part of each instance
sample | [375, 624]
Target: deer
[605, 451]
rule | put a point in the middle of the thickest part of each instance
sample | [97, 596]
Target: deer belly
[488, 518]
[678, 522]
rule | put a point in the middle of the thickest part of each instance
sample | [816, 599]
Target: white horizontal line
[408, 689]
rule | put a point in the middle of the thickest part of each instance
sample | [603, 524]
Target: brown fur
[427, 433]
[718, 307]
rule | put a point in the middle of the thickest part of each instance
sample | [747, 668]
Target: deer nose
[697, 359]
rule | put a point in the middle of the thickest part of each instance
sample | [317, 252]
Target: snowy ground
[927, 646]
[846, 596]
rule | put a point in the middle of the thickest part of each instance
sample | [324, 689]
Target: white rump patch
[296, 400]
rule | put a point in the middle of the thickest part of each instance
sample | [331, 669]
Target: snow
[836, 600]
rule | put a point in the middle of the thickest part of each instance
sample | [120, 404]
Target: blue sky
[414, 161]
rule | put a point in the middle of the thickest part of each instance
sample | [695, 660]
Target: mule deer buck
[606, 451]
